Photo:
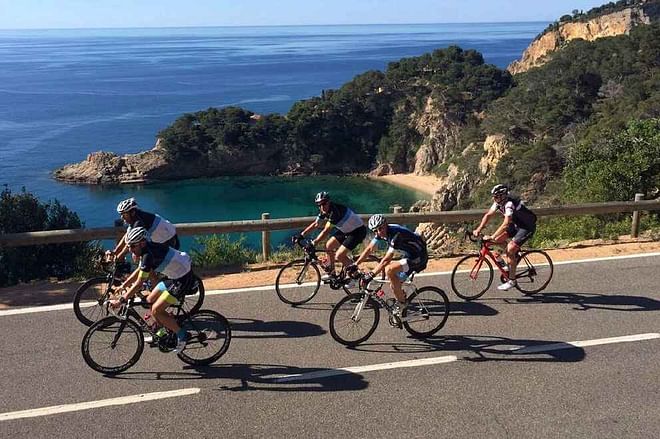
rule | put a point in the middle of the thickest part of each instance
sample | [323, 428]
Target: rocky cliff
[617, 23]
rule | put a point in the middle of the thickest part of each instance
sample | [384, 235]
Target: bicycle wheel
[297, 282]
[353, 320]
[88, 300]
[426, 313]
[471, 278]
[193, 301]
[534, 272]
[210, 335]
[112, 345]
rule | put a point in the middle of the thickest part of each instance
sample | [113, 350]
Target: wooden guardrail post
[634, 231]
[265, 239]
[397, 209]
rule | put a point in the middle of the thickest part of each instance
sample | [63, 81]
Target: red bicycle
[473, 274]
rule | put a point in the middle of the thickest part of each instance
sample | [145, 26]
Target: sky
[50, 14]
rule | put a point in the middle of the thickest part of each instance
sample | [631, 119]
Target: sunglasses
[322, 203]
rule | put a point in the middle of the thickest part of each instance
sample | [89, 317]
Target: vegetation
[22, 212]
[219, 250]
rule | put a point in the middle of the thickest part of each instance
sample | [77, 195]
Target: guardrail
[266, 225]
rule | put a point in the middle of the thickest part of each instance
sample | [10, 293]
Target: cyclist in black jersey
[409, 245]
[519, 225]
[160, 230]
[158, 258]
[345, 227]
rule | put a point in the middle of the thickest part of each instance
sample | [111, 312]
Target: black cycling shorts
[518, 234]
[352, 239]
[179, 287]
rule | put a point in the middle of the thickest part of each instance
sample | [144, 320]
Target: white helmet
[126, 205]
[321, 196]
[135, 235]
[376, 221]
[499, 189]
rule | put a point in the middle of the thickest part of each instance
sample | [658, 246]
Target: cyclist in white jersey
[519, 224]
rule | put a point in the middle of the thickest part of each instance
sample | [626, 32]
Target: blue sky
[39, 14]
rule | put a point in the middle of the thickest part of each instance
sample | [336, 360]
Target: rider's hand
[296, 238]
[487, 237]
[351, 270]
[116, 303]
[369, 277]
[476, 232]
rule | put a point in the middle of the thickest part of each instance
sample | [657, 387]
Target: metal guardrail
[267, 225]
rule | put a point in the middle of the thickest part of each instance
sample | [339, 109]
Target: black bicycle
[299, 280]
[116, 342]
[89, 298]
[355, 318]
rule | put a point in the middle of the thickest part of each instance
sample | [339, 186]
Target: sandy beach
[423, 183]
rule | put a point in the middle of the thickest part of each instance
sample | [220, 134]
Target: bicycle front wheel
[534, 272]
[354, 319]
[471, 277]
[112, 345]
[209, 337]
[193, 301]
[88, 300]
[298, 282]
[426, 313]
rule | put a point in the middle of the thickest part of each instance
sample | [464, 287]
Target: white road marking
[9, 312]
[52, 410]
[360, 369]
[585, 343]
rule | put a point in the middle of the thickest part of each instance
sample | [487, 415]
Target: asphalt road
[488, 390]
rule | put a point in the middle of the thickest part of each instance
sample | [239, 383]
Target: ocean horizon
[69, 92]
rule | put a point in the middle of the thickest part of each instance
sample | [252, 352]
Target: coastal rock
[440, 137]
[496, 147]
[609, 25]
[382, 169]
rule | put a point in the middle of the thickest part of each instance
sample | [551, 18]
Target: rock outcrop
[440, 137]
[609, 25]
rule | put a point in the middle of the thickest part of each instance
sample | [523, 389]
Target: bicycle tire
[303, 288]
[213, 326]
[107, 329]
[532, 266]
[193, 301]
[342, 316]
[421, 307]
[91, 291]
[461, 280]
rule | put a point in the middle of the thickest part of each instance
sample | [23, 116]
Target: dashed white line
[52, 410]
[585, 343]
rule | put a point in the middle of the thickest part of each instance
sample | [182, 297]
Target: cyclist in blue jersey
[519, 225]
[160, 230]
[409, 245]
[345, 227]
[158, 258]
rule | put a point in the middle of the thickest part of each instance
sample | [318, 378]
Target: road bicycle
[116, 342]
[299, 280]
[355, 317]
[473, 274]
[89, 298]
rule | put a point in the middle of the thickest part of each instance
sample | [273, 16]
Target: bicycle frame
[485, 252]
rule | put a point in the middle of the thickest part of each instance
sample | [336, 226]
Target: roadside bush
[219, 250]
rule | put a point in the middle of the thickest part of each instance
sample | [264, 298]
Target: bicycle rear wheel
[112, 345]
[426, 313]
[534, 272]
[193, 301]
[298, 282]
[471, 278]
[353, 320]
[210, 335]
[88, 300]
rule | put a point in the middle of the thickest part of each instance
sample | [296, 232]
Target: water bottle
[403, 276]
[500, 261]
[380, 293]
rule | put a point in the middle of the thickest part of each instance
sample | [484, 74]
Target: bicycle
[120, 338]
[473, 274]
[355, 317]
[89, 298]
[299, 280]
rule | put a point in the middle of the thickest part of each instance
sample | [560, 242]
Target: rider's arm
[503, 227]
[323, 233]
[120, 248]
[383, 262]
[366, 252]
[487, 216]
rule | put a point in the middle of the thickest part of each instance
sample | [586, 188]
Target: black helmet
[322, 196]
[499, 189]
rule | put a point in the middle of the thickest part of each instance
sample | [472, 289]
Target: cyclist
[409, 244]
[346, 228]
[158, 258]
[160, 230]
[519, 224]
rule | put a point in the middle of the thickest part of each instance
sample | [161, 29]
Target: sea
[67, 92]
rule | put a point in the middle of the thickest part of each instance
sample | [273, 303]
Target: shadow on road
[252, 328]
[587, 301]
[463, 309]
[265, 377]
[485, 348]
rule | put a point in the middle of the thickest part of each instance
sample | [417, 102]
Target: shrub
[219, 250]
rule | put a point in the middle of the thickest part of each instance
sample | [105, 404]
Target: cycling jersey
[342, 218]
[400, 239]
[163, 259]
[521, 215]
[160, 230]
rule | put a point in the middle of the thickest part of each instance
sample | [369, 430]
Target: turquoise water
[244, 198]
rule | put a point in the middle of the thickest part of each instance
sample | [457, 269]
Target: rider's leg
[343, 256]
[330, 247]
[392, 271]
[511, 252]
[159, 307]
